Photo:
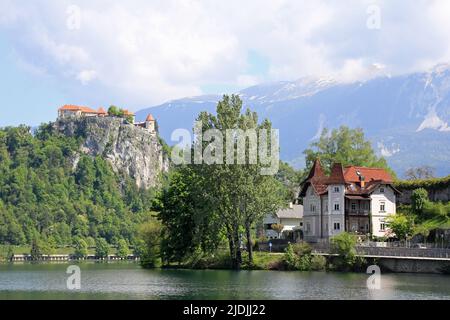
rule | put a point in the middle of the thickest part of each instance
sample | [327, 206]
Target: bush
[302, 249]
[318, 263]
[344, 245]
[298, 257]
[290, 258]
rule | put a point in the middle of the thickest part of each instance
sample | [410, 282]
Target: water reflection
[129, 281]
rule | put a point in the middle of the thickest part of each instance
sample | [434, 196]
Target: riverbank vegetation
[207, 205]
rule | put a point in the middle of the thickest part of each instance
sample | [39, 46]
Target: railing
[364, 250]
[357, 212]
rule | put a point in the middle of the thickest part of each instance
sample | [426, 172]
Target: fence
[391, 251]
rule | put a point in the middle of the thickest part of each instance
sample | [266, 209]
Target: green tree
[238, 193]
[122, 249]
[401, 225]
[344, 244]
[114, 111]
[188, 225]
[150, 243]
[419, 198]
[101, 248]
[36, 250]
[81, 249]
[346, 146]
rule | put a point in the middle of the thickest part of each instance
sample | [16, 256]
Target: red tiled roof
[316, 178]
[69, 107]
[127, 113]
[369, 174]
[150, 118]
[101, 111]
[373, 177]
[337, 175]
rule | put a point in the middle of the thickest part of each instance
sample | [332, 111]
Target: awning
[357, 198]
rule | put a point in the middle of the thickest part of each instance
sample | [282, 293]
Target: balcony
[357, 212]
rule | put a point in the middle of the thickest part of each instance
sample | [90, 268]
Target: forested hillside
[46, 195]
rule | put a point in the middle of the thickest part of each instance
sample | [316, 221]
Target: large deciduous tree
[346, 146]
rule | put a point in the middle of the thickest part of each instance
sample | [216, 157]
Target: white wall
[379, 217]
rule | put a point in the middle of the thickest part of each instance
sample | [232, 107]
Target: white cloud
[86, 76]
[147, 52]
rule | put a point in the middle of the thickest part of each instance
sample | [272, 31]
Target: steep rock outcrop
[129, 149]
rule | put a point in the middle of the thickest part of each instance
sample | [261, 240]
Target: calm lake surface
[129, 281]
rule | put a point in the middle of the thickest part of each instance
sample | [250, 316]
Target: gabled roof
[101, 111]
[316, 178]
[350, 176]
[296, 212]
[70, 107]
[127, 113]
[150, 118]
[370, 174]
[337, 175]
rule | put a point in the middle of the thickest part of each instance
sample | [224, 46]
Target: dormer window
[336, 189]
[381, 189]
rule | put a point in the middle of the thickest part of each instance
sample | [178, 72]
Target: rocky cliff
[130, 150]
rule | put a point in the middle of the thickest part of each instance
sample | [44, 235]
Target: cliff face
[129, 149]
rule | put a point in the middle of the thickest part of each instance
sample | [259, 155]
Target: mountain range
[405, 117]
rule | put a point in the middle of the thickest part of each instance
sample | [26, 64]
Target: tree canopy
[346, 146]
[45, 197]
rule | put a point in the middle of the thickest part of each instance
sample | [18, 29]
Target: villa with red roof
[353, 199]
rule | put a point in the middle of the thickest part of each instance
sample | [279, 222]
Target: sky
[140, 53]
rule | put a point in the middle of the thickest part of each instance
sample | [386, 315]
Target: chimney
[362, 181]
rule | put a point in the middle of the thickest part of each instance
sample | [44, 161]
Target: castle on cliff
[73, 111]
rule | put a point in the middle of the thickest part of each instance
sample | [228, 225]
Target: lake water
[129, 281]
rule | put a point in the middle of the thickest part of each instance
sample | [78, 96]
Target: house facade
[290, 218]
[352, 199]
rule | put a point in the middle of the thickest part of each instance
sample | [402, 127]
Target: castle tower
[150, 124]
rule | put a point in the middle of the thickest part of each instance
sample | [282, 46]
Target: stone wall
[435, 194]
[412, 265]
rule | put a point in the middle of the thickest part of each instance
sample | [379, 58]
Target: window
[382, 207]
[312, 208]
[337, 226]
[336, 189]
[301, 224]
[311, 191]
[382, 226]
[381, 189]
[336, 207]
[326, 207]
[353, 206]
[308, 227]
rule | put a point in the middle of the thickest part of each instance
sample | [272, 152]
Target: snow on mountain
[406, 117]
